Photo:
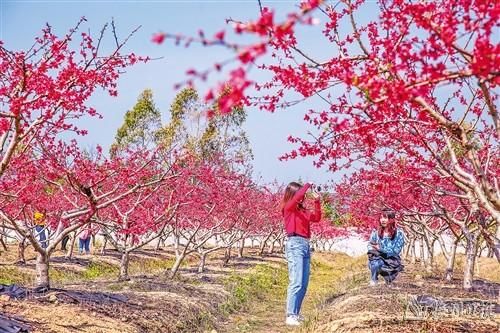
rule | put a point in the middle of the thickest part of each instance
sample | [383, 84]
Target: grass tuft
[14, 275]
[262, 282]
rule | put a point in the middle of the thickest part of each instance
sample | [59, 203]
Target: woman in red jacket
[298, 253]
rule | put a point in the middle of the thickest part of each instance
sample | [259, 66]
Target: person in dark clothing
[64, 243]
[41, 228]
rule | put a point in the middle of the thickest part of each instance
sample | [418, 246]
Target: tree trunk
[408, 248]
[42, 271]
[179, 256]
[477, 263]
[271, 247]
[422, 254]
[227, 256]
[263, 245]
[470, 253]
[480, 251]
[430, 257]
[3, 243]
[69, 254]
[241, 247]
[442, 245]
[124, 264]
[176, 245]
[201, 266]
[282, 244]
[496, 240]
[105, 242]
[158, 245]
[20, 251]
[451, 262]
[177, 264]
[413, 252]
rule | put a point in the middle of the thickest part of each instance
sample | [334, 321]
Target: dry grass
[80, 268]
[331, 275]
[63, 318]
[383, 309]
[190, 303]
[486, 268]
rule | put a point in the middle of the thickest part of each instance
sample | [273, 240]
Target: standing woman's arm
[316, 216]
[299, 195]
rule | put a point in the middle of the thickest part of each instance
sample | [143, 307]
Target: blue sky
[21, 21]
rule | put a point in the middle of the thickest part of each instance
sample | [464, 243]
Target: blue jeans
[375, 266]
[40, 231]
[298, 256]
[84, 244]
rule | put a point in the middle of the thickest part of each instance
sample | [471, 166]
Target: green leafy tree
[224, 136]
[140, 127]
[182, 111]
[330, 213]
[190, 129]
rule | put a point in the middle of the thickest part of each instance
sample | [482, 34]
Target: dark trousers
[64, 242]
[42, 237]
[380, 263]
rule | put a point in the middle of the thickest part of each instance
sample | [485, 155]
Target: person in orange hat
[40, 228]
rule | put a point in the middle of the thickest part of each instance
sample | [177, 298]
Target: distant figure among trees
[84, 239]
[40, 228]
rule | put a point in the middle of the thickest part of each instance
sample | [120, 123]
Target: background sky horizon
[22, 20]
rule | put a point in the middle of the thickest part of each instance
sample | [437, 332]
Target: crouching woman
[384, 249]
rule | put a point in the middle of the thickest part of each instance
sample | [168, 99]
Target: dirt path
[331, 275]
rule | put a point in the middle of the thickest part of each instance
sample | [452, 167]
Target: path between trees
[331, 276]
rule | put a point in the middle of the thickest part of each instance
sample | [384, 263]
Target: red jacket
[297, 220]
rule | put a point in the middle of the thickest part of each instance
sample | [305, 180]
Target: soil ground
[247, 295]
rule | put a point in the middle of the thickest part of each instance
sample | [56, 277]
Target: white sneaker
[301, 318]
[373, 283]
[292, 321]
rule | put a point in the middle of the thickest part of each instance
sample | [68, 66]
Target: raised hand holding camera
[315, 191]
